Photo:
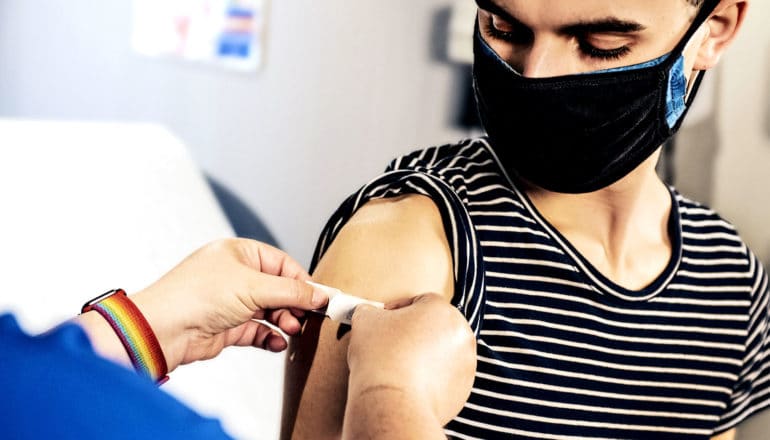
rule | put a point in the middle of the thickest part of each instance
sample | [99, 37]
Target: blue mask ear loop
[678, 90]
[690, 98]
[680, 94]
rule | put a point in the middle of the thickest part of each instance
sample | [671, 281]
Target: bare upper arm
[727, 435]
[390, 249]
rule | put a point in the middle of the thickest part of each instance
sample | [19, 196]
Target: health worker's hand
[419, 351]
[208, 301]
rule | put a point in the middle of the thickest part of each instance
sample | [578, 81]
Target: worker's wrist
[166, 321]
[130, 327]
[104, 341]
[165, 318]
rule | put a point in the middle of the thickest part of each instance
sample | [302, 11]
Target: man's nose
[546, 57]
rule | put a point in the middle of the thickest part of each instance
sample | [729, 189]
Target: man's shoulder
[694, 207]
[399, 241]
[416, 195]
[446, 157]
[707, 235]
[699, 218]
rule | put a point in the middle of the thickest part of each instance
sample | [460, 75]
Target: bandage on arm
[390, 249]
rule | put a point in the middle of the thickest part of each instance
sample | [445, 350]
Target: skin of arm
[389, 250]
[727, 435]
[395, 391]
[387, 413]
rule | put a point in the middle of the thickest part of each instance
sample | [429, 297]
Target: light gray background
[346, 86]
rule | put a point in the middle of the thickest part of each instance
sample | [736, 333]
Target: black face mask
[581, 133]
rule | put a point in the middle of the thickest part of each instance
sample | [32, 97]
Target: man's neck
[622, 229]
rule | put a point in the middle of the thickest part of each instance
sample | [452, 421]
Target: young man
[606, 305]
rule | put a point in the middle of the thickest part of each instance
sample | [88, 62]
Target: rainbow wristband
[134, 332]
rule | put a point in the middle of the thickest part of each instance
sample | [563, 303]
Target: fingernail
[320, 294]
[319, 297]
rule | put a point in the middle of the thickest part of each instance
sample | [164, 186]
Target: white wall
[742, 189]
[347, 85]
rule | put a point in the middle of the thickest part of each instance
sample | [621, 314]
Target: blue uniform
[54, 386]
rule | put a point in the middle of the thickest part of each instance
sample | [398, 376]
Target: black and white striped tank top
[565, 353]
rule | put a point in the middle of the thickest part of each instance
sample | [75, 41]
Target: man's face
[546, 38]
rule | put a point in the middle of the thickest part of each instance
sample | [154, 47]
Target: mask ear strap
[693, 92]
[705, 12]
[694, 88]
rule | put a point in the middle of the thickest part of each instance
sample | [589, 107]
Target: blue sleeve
[55, 386]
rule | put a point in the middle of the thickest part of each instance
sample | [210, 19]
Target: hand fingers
[275, 343]
[285, 320]
[269, 340]
[298, 313]
[259, 335]
[274, 292]
[364, 312]
[405, 302]
[423, 300]
[427, 298]
[273, 261]
[400, 303]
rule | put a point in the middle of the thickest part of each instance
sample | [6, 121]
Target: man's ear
[722, 27]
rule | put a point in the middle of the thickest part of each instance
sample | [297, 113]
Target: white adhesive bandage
[341, 305]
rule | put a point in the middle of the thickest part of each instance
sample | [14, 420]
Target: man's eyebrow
[495, 9]
[598, 26]
[602, 26]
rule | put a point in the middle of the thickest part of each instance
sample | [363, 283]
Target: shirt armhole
[466, 255]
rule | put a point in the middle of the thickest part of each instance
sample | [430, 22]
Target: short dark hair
[696, 3]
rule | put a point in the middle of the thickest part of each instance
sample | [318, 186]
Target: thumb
[406, 302]
[363, 312]
[274, 292]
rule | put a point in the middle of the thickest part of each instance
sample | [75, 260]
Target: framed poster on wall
[227, 33]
